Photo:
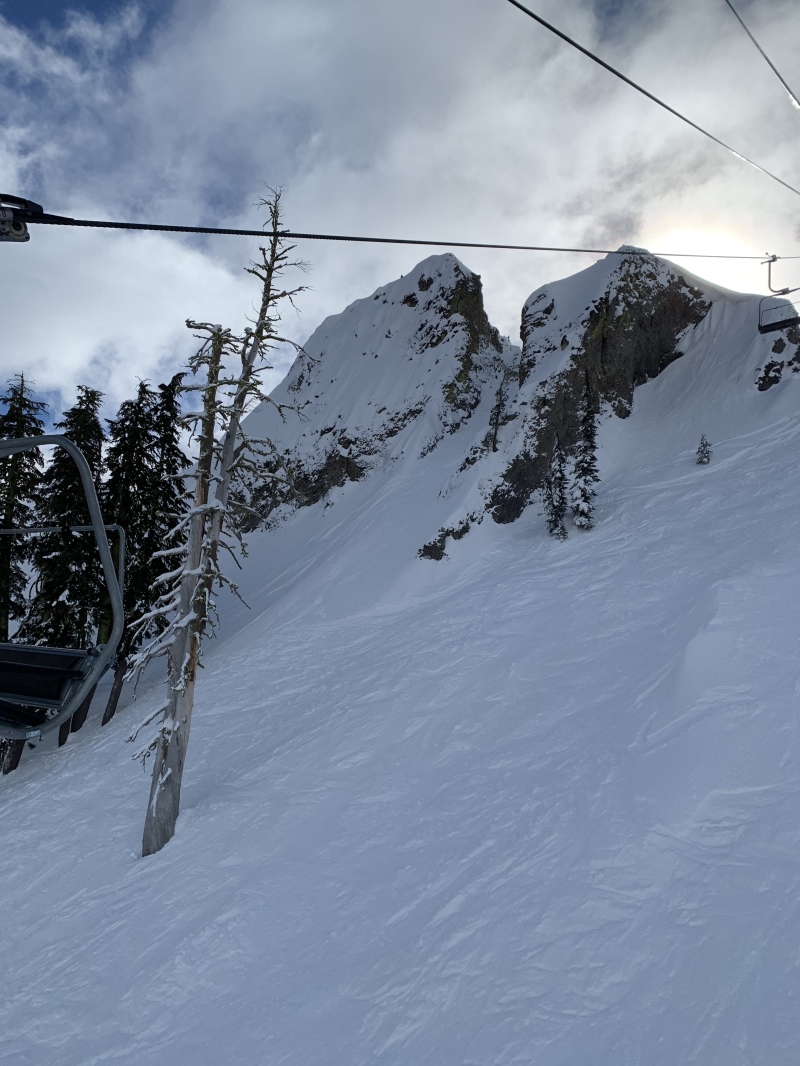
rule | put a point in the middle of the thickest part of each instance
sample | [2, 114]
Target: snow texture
[538, 802]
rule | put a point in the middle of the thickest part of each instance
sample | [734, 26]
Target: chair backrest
[40, 677]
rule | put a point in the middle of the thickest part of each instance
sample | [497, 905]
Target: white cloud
[461, 119]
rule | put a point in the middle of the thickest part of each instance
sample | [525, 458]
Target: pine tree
[704, 451]
[66, 604]
[19, 482]
[172, 463]
[144, 493]
[585, 475]
[555, 493]
[127, 500]
[67, 594]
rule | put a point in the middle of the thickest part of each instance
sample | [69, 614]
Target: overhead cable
[650, 96]
[30, 212]
[776, 72]
[62, 220]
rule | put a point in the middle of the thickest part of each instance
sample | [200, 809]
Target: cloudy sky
[447, 119]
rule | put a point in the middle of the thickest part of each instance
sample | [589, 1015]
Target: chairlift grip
[768, 264]
[106, 654]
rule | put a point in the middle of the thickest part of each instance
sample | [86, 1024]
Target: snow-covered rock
[606, 330]
[389, 376]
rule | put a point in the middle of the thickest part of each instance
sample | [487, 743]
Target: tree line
[51, 587]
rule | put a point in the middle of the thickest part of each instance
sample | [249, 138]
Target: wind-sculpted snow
[536, 803]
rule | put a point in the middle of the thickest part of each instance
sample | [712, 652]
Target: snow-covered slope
[538, 802]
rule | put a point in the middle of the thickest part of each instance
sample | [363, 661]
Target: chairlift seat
[41, 677]
[28, 718]
[783, 323]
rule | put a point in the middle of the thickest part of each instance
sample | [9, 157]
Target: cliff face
[611, 328]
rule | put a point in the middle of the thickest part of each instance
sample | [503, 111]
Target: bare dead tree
[228, 462]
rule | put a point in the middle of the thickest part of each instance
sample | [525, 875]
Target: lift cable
[650, 96]
[32, 213]
[792, 96]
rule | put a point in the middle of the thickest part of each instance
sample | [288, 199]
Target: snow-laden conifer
[555, 493]
[227, 370]
[585, 475]
[703, 451]
[67, 592]
[143, 493]
[67, 597]
[20, 476]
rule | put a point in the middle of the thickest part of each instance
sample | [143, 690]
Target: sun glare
[741, 275]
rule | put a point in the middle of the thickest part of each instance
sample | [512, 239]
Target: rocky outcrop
[411, 361]
[627, 335]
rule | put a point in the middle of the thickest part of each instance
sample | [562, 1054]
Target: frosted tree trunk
[218, 463]
[170, 755]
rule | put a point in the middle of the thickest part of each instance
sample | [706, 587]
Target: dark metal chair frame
[783, 323]
[40, 688]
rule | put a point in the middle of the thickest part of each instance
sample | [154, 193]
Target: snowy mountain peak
[599, 333]
[393, 373]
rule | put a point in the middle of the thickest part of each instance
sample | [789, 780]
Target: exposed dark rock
[435, 549]
[629, 337]
[310, 487]
[770, 375]
[463, 392]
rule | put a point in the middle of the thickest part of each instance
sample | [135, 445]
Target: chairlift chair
[41, 688]
[782, 313]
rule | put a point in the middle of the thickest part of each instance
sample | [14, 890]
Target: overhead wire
[792, 96]
[650, 96]
[63, 220]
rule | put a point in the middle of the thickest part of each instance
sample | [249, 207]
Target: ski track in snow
[537, 803]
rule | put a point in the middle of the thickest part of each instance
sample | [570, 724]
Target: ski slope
[538, 802]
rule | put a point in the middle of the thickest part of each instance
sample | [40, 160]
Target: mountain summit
[388, 377]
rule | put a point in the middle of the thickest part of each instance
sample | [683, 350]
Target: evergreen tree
[144, 493]
[19, 482]
[19, 479]
[171, 464]
[704, 451]
[555, 493]
[67, 593]
[585, 476]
